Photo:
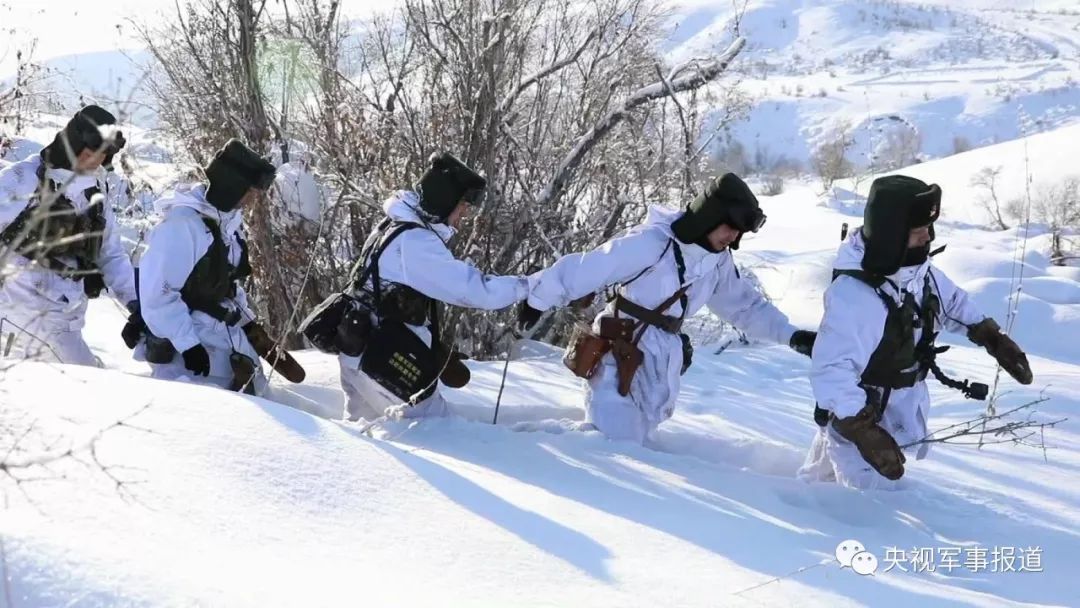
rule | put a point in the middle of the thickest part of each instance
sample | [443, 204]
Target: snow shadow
[549, 536]
[770, 525]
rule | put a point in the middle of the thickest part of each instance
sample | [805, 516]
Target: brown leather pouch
[628, 358]
[584, 351]
[616, 328]
[243, 369]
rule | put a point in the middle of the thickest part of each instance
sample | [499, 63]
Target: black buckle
[976, 390]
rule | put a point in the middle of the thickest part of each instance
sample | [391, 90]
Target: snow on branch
[544, 72]
[706, 72]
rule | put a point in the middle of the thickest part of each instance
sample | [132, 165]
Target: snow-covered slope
[236, 501]
[228, 500]
[951, 74]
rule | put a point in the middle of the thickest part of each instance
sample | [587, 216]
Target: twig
[980, 427]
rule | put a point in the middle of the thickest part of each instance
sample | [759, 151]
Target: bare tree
[829, 161]
[16, 94]
[1057, 205]
[986, 179]
[899, 148]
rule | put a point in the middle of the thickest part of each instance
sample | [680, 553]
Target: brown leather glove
[282, 361]
[875, 444]
[987, 333]
[260, 340]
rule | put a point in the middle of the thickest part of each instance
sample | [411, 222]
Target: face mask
[703, 242]
[915, 256]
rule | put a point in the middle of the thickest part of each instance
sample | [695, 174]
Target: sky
[67, 27]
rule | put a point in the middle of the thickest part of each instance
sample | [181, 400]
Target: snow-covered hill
[948, 75]
[228, 500]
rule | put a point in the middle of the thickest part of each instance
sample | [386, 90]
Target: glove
[197, 360]
[454, 373]
[687, 353]
[257, 336]
[802, 341]
[283, 361]
[135, 326]
[987, 333]
[875, 444]
[527, 316]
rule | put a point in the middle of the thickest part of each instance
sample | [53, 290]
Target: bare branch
[642, 96]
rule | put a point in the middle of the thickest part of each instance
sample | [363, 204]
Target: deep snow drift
[204, 497]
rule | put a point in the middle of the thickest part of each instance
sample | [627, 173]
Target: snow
[231, 500]
[299, 189]
[975, 70]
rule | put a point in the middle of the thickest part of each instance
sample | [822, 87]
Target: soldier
[60, 241]
[390, 352]
[875, 346]
[194, 312]
[666, 269]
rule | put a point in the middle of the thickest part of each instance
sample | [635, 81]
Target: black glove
[802, 341]
[527, 316]
[875, 444]
[135, 326]
[687, 353]
[197, 360]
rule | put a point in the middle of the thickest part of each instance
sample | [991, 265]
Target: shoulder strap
[928, 310]
[871, 279]
[682, 268]
[875, 281]
[213, 227]
[680, 265]
[371, 263]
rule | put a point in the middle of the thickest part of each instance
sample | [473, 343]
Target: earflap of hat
[447, 182]
[684, 229]
[225, 187]
[439, 193]
[714, 206]
[735, 244]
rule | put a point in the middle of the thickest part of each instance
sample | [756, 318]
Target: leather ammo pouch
[243, 370]
[584, 351]
[628, 358]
